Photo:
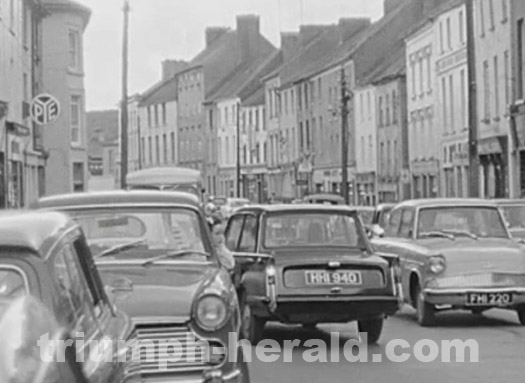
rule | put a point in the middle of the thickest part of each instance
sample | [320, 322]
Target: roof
[506, 202]
[68, 6]
[163, 176]
[307, 207]
[393, 67]
[117, 198]
[437, 202]
[106, 121]
[163, 92]
[32, 230]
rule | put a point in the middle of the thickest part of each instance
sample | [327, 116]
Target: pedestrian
[217, 228]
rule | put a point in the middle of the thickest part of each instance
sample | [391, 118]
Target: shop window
[78, 177]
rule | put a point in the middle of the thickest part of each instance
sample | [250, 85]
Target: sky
[174, 29]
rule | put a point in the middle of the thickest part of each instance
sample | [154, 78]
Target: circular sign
[44, 109]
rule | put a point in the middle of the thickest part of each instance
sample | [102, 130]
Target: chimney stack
[307, 33]
[289, 44]
[171, 67]
[214, 33]
[248, 32]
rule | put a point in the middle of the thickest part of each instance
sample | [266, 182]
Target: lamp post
[238, 167]
[124, 102]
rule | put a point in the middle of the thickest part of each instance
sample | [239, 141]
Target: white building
[366, 143]
[20, 80]
[423, 131]
[452, 100]
[135, 121]
[227, 144]
[492, 47]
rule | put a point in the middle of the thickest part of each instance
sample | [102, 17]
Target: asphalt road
[500, 338]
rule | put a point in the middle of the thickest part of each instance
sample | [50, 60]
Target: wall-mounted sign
[44, 109]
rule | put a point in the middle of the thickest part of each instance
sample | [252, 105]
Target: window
[482, 18]
[429, 75]
[452, 105]
[394, 107]
[319, 90]
[370, 151]
[381, 116]
[520, 63]
[363, 149]
[507, 79]
[441, 37]
[233, 232]
[504, 11]
[249, 235]
[421, 79]
[382, 158]
[486, 90]
[265, 152]
[394, 220]
[394, 155]
[463, 91]
[369, 105]
[387, 112]
[157, 149]
[449, 34]
[407, 224]
[78, 177]
[76, 119]
[491, 12]
[165, 147]
[461, 27]
[413, 70]
[257, 120]
[149, 116]
[164, 115]
[150, 150]
[74, 49]
[361, 107]
[444, 102]
[143, 149]
[496, 87]
[388, 157]
[173, 152]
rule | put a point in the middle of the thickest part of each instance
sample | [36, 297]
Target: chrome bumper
[458, 297]
[212, 376]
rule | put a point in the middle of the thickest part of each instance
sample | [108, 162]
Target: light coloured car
[455, 254]
[232, 205]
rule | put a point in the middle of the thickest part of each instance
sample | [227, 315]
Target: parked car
[23, 322]
[324, 198]
[45, 255]
[379, 219]
[309, 264]
[159, 245]
[514, 212]
[455, 254]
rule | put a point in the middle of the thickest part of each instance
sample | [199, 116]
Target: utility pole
[345, 98]
[124, 106]
[472, 104]
[238, 168]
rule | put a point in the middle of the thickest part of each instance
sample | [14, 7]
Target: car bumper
[300, 309]
[458, 297]
[214, 376]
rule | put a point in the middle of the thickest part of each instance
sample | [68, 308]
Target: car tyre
[373, 327]
[426, 312]
[252, 326]
[521, 314]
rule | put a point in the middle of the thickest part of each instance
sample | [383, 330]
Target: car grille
[482, 280]
[170, 349]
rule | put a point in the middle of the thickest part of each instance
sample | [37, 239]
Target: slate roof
[163, 92]
[392, 67]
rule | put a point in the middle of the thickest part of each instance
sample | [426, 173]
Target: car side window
[75, 298]
[249, 235]
[233, 232]
[407, 224]
[393, 223]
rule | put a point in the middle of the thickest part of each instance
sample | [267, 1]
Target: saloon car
[45, 256]
[157, 245]
[455, 254]
[309, 264]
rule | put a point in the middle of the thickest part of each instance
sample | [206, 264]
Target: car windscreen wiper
[121, 247]
[462, 232]
[174, 254]
[437, 233]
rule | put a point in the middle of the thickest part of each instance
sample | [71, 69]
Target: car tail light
[437, 264]
[271, 274]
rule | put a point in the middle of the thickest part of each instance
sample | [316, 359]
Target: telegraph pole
[472, 104]
[124, 106]
[238, 167]
[345, 98]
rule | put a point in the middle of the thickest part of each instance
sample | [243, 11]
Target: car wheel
[521, 314]
[252, 327]
[373, 327]
[426, 312]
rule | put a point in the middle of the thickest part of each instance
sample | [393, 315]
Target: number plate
[489, 299]
[316, 278]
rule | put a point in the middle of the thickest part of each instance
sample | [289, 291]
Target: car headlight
[211, 313]
[437, 264]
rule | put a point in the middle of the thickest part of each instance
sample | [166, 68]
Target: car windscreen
[515, 216]
[367, 216]
[308, 229]
[157, 230]
[458, 220]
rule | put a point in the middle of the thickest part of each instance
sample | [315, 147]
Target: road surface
[500, 338]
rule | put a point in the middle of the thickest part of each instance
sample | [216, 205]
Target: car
[379, 219]
[309, 264]
[367, 214]
[514, 212]
[44, 255]
[324, 198]
[232, 205]
[158, 246]
[455, 254]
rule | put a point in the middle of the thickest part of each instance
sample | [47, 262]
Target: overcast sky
[161, 29]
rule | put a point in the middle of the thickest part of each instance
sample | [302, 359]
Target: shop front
[367, 189]
[493, 159]
[254, 185]
[425, 176]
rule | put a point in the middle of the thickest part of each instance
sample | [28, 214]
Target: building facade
[135, 122]
[22, 160]
[493, 66]
[66, 139]
[452, 100]
[423, 132]
[227, 145]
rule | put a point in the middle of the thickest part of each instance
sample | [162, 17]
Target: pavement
[499, 336]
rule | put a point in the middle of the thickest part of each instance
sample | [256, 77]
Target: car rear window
[12, 283]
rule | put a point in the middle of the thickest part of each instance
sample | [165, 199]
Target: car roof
[34, 230]
[509, 201]
[118, 197]
[437, 202]
[304, 207]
